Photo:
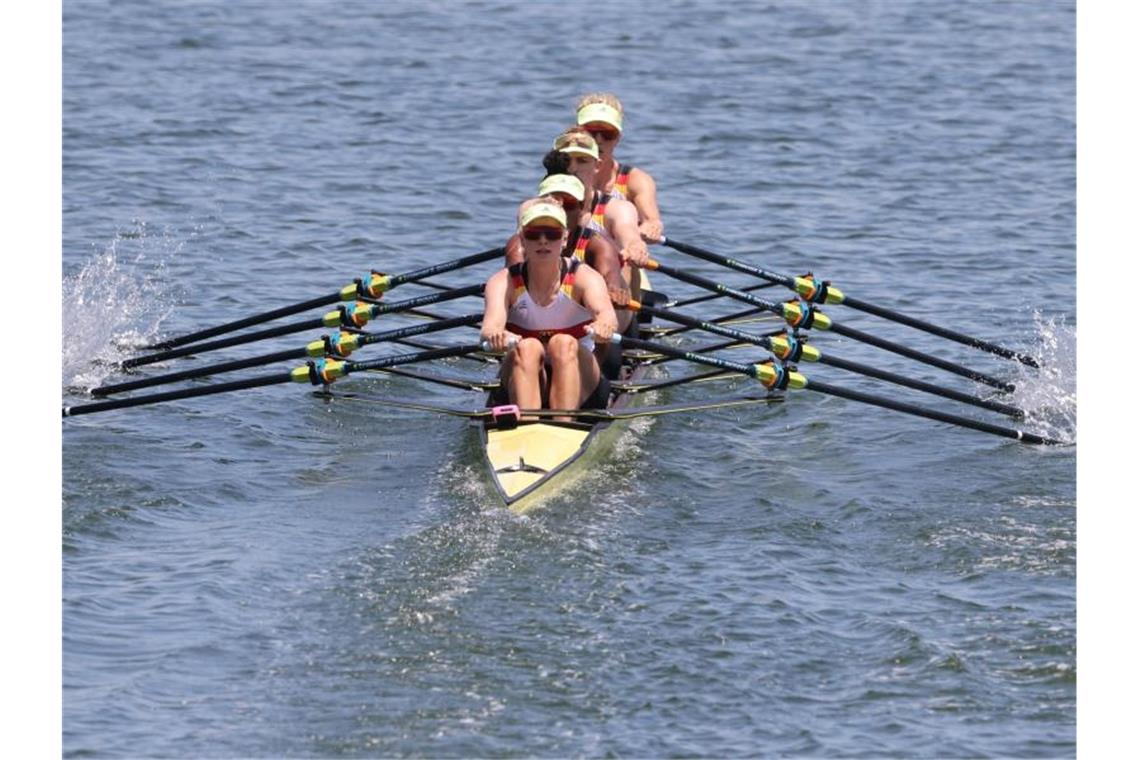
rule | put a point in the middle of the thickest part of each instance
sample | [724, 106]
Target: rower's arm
[596, 298]
[603, 256]
[494, 325]
[621, 223]
[643, 193]
[514, 250]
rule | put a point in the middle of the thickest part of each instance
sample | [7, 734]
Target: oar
[815, 291]
[351, 316]
[714, 296]
[806, 316]
[789, 348]
[775, 377]
[320, 372]
[372, 285]
[340, 345]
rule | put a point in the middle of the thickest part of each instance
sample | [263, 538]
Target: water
[261, 574]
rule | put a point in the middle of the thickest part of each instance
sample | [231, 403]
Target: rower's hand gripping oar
[775, 377]
[816, 291]
[348, 316]
[788, 348]
[372, 285]
[806, 316]
[338, 346]
[319, 372]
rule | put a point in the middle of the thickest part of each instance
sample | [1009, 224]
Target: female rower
[594, 246]
[555, 307]
[601, 114]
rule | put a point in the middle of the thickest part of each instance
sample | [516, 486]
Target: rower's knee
[563, 348]
[529, 353]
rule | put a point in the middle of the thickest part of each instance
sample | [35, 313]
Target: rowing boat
[531, 461]
[533, 454]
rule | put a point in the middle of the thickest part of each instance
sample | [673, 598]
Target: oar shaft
[448, 266]
[295, 327]
[700, 253]
[943, 332]
[214, 345]
[340, 295]
[855, 303]
[238, 324]
[919, 385]
[321, 369]
[850, 366]
[154, 398]
[932, 414]
[920, 356]
[300, 353]
[191, 374]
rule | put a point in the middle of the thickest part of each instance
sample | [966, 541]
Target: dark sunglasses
[604, 134]
[542, 233]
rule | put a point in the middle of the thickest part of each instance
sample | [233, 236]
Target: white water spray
[1049, 394]
[117, 300]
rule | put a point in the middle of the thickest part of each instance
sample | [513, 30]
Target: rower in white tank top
[529, 319]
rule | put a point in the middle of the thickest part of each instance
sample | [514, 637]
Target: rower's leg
[524, 368]
[565, 376]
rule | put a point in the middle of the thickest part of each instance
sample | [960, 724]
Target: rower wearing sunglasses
[594, 246]
[553, 308]
[601, 115]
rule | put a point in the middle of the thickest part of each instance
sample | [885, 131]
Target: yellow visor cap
[596, 113]
[563, 183]
[532, 214]
[582, 144]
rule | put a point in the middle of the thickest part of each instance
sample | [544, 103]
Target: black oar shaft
[942, 332]
[850, 366]
[700, 253]
[191, 374]
[932, 414]
[295, 327]
[154, 398]
[300, 353]
[858, 304]
[919, 385]
[934, 361]
[301, 374]
[289, 310]
[920, 356]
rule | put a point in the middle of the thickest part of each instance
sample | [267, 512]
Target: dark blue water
[262, 574]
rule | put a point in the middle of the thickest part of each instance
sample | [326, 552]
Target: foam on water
[1049, 394]
[117, 299]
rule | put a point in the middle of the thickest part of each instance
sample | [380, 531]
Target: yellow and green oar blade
[321, 372]
[372, 285]
[353, 315]
[813, 290]
[790, 348]
[775, 377]
[340, 345]
[805, 316]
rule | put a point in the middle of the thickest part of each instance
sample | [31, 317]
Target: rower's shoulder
[640, 177]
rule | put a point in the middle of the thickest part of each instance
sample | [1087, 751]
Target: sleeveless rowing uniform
[527, 318]
[578, 243]
[598, 212]
[621, 181]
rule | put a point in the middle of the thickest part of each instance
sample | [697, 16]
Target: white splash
[1049, 394]
[116, 301]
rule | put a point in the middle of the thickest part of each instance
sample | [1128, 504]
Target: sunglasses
[543, 233]
[603, 134]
